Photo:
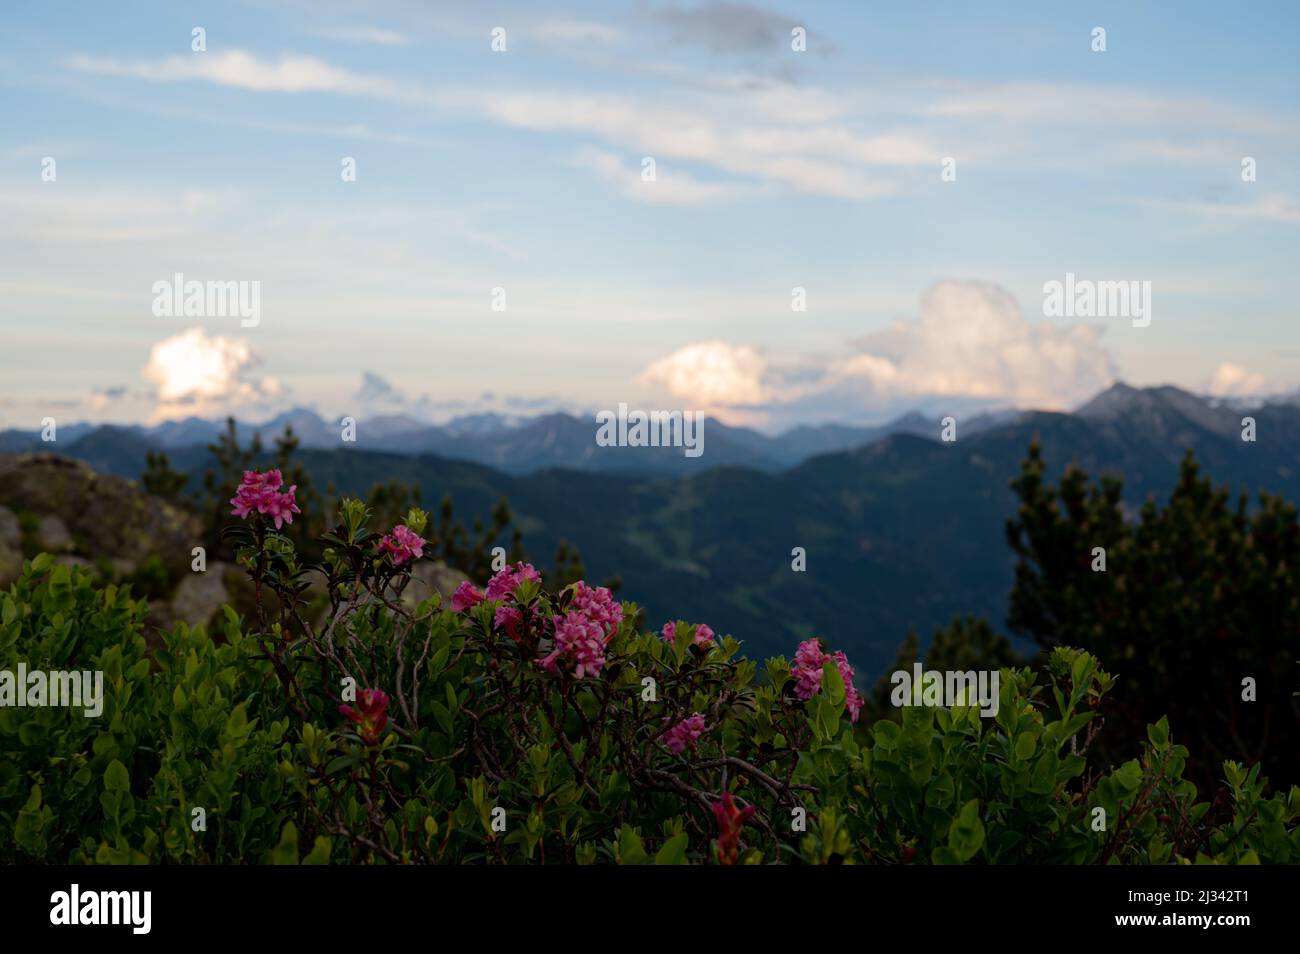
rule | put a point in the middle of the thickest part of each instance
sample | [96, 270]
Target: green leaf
[286, 852]
[1080, 670]
[320, 852]
[887, 733]
[966, 834]
[1026, 743]
[630, 849]
[116, 778]
[833, 683]
[674, 850]
[1159, 734]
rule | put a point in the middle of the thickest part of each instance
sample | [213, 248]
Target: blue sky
[522, 170]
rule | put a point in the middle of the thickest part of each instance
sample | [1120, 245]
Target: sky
[777, 213]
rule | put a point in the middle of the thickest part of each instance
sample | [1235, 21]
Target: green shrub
[482, 742]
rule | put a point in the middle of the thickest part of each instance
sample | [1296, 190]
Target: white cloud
[374, 35]
[242, 70]
[969, 346]
[669, 186]
[710, 374]
[1231, 380]
[202, 374]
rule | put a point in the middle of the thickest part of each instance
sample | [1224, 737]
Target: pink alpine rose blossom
[704, 635]
[260, 493]
[403, 543]
[685, 733]
[466, 595]
[598, 605]
[511, 620]
[580, 641]
[809, 659]
[503, 585]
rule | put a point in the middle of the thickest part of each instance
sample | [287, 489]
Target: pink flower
[260, 493]
[466, 595]
[809, 659]
[403, 543]
[852, 699]
[370, 715]
[731, 819]
[704, 636]
[503, 585]
[580, 641]
[684, 733]
[511, 620]
[598, 605]
[583, 632]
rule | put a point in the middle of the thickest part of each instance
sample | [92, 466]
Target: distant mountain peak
[1159, 410]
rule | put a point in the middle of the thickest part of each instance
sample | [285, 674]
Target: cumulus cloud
[969, 346]
[201, 374]
[1231, 380]
[710, 374]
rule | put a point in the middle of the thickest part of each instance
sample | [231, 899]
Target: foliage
[1196, 597]
[159, 478]
[483, 742]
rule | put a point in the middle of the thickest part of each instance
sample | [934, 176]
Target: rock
[11, 535]
[106, 515]
[199, 595]
[429, 577]
[122, 567]
[11, 551]
[52, 535]
[11, 564]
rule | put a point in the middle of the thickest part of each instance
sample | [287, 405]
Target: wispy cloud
[242, 70]
[669, 187]
[361, 34]
[576, 31]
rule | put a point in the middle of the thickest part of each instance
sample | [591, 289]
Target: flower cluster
[809, 659]
[503, 585]
[403, 543]
[598, 605]
[261, 493]
[580, 641]
[685, 733]
[370, 715]
[704, 636]
[731, 819]
[584, 631]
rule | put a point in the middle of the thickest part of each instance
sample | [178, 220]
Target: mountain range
[511, 445]
[900, 528]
